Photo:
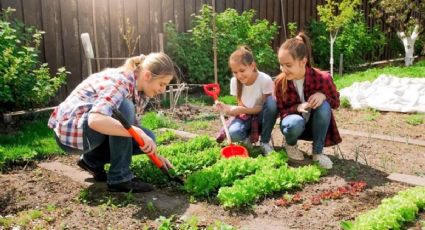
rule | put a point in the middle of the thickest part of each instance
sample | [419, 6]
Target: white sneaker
[293, 152]
[323, 160]
[267, 148]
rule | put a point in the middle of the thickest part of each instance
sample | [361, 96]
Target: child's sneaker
[267, 148]
[293, 152]
[323, 160]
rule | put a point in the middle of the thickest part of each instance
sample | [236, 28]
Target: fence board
[220, 5]
[53, 39]
[85, 25]
[291, 11]
[143, 7]
[130, 12]
[71, 45]
[255, 4]
[230, 4]
[32, 12]
[15, 4]
[263, 9]
[246, 5]
[189, 9]
[278, 20]
[103, 32]
[155, 21]
[118, 30]
[239, 5]
[302, 13]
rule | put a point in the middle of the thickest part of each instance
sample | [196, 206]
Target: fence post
[171, 97]
[341, 60]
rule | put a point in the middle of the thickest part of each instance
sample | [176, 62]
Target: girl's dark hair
[242, 55]
[298, 47]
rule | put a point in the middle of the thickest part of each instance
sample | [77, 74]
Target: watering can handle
[212, 90]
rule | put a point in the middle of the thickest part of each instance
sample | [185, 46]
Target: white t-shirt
[299, 86]
[252, 94]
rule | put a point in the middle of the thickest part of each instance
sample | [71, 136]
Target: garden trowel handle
[152, 156]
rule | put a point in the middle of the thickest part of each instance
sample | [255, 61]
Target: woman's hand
[150, 146]
[166, 162]
[316, 100]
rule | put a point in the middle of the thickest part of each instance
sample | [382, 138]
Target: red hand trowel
[213, 90]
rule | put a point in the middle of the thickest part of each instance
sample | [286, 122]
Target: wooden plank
[308, 13]
[297, 12]
[189, 9]
[32, 11]
[167, 11]
[179, 14]
[270, 11]
[130, 12]
[290, 12]
[53, 39]
[278, 19]
[239, 5]
[103, 33]
[230, 4]
[117, 31]
[85, 25]
[302, 13]
[71, 42]
[247, 4]
[143, 7]
[220, 5]
[263, 9]
[156, 23]
[198, 5]
[409, 179]
[255, 5]
[15, 4]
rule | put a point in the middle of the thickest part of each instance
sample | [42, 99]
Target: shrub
[358, 43]
[193, 51]
[24, 81]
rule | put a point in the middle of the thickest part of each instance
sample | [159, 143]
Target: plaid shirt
[315, 81]
[99, 93]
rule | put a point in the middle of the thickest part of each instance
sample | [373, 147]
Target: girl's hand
[316, 100]
[150, 146]
[221, 107]
[302, 108]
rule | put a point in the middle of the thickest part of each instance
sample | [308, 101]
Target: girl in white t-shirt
[253, 90]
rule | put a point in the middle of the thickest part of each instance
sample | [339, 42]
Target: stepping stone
[409, 179]
[75, 174]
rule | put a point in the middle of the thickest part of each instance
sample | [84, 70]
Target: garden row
[236, 181]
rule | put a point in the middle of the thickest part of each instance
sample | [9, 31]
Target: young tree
[335, 15]
[406, 18]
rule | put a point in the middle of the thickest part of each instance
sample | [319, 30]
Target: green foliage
[417, 70]
[344, 102]
[223, 173]
[392, 213]
[194, 54]
[153, 120]
[356, 42]
[333, 21]
[229, 100]
[415, 119]
[33, 141]
[264, 182]
[372, 115]
[192, 223]
[165, 137]
[292, 27]
[24, 81]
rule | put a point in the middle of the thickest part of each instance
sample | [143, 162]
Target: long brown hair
[298, 47]
[242, 55]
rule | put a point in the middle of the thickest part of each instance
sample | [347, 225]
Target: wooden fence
[64, 21]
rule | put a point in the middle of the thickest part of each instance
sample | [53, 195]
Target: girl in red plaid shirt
[83, 123]
[305, 98]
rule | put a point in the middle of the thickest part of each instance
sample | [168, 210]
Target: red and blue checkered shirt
[315, 81]
[99, 93]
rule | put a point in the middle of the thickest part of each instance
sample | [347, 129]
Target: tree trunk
[409, 45]
[331, 60]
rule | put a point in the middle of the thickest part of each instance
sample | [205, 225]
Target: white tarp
[388, 93]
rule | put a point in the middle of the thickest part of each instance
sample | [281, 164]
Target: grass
[415, 119]
[33, 141]
[153, 120]
[416, 71]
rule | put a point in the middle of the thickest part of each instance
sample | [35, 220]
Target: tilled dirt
[69, 205]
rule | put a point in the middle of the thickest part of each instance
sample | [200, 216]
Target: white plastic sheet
[388, 93]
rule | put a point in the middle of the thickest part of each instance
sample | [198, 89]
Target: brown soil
[68, 204]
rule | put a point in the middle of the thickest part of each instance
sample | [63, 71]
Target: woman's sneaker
[99, 174]
[323, 160]
[134, 185]
[294, 153]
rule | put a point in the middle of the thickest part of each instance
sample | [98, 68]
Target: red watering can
[213, 90]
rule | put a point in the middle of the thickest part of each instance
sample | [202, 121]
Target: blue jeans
[100, 149]
[239, 129]
[294, 127]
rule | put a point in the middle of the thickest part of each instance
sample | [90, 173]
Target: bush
[193, 51]
[358, 43]
[24, 81]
